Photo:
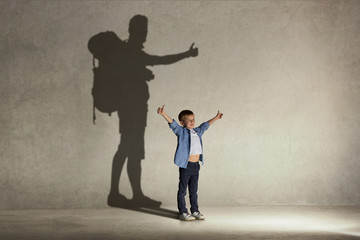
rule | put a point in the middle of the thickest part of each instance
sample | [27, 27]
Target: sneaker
[198, 216]
[186, 217]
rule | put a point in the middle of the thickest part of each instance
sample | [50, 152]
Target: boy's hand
[219, 115]
[161, 110]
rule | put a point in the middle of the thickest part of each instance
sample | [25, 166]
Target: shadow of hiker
[120, 84]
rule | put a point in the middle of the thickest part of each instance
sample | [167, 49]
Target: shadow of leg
[134, 172]
[115, 199]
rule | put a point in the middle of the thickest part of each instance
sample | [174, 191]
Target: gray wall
[284, 73]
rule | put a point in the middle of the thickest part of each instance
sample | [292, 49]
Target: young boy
[187, 156]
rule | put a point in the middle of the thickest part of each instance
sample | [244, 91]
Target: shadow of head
[138, 28]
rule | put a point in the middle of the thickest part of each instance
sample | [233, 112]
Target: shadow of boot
[144, 201]
[118, 200]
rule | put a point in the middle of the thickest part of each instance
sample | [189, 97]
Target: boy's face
[188, 122]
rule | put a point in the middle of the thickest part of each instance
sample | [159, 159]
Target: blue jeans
[188, 177]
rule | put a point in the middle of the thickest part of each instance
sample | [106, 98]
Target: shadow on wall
[120, 85]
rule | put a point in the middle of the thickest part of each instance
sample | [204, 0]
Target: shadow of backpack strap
[94, 116]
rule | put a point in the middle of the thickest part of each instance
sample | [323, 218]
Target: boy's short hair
[184, 113]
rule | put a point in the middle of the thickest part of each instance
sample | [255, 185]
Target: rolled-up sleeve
[203, 127]
[175, 127]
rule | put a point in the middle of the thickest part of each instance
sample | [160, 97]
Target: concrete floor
[222, 222]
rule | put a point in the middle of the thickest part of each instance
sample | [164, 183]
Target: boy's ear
[181, 123]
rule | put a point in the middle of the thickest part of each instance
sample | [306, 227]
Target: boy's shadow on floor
[139, 207]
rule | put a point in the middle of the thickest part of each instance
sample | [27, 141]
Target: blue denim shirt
[183, 144]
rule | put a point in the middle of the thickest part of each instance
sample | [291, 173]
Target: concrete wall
[284, 73]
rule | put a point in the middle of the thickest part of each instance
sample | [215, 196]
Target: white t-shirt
[195, 147]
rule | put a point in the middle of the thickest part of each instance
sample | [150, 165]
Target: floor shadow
[157, 211]
[120, 85]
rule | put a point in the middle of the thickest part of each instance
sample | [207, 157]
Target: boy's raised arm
[161, 111]
[217, 117]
